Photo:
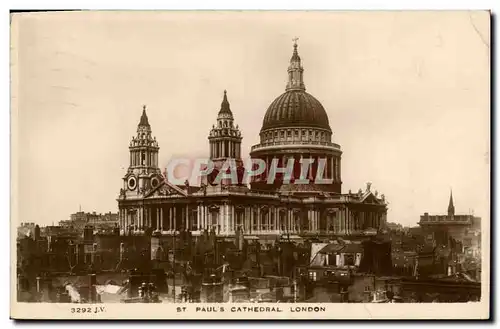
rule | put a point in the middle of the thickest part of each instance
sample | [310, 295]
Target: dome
[296, 108]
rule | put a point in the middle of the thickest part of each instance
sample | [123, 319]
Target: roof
[343, 248]
[332, 248]
[144, 118]
[224, 107]
[295, 108]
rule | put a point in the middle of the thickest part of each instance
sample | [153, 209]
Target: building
[440, 228]
[394, 227]
[99, 221]
[26, 229]
[295, 128]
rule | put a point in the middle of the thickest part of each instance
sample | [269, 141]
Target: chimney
[37, 233]
[122, 250]
[94, 252]
[92, 288]
[80, 253]
[38, 284]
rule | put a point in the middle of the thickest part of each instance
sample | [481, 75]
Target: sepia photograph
[250, 164]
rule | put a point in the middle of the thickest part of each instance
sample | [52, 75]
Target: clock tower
[143, 173]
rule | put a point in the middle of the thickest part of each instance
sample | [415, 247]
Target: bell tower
[225, 139]
[143, 172]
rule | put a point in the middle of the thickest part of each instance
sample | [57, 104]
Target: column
[207, 218]
[198, 214]
[200, 217]
[267, 167]
[220, 220]
[138, 218]
[251, 209]
[308, 220]
[170, 218]
[315, 215]
[312, 220]
[259, 227]
[232, 224]
[188, 224]
[315, 223]
[346, 221]
[204, 217]
[274, 223]
[339, 171]
[340, 220]
[245, 220]
[349, 219]
[175, 217]
[157, 219]
[181, 215]
[161, 219]
[228, 217]
[332, 172]
[225, 212]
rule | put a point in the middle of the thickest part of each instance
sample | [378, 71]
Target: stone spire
[224, 106]
[295, 71]
[144, 117]
[451, 207]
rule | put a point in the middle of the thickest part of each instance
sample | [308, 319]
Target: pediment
[165, 189]
[370, 198]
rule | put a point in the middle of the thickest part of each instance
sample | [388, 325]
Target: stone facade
[269, 212]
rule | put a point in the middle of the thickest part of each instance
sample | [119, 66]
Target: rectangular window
[349, 259]
[312, 275]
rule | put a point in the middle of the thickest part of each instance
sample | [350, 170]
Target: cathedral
[295, 128]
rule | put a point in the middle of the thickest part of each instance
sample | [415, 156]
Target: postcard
[250, 165]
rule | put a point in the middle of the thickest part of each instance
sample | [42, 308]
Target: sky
[407, 95]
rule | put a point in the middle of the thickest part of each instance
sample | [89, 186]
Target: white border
[200, 4]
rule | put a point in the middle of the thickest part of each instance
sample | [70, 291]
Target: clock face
[154, 182]
[131, 183]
